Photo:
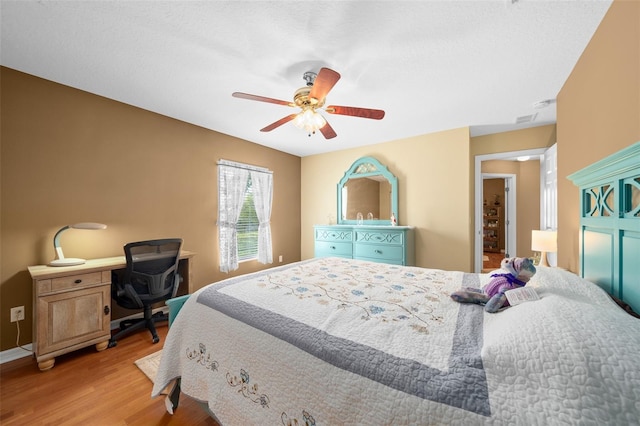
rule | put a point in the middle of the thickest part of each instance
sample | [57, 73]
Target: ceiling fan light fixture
[310, 99]
[309, 120]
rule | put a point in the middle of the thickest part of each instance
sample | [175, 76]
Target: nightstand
[71, 310]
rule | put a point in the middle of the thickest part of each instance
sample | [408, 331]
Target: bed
[341, 341]
[333, 341]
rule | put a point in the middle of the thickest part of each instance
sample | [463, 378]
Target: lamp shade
[60, 260]
[544, 242]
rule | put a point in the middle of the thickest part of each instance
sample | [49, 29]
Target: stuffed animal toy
[518, 272]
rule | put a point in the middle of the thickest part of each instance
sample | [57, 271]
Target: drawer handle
[332, 247]
[78, 281]
[106, 310]
[378, 251]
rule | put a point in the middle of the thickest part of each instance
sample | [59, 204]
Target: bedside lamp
[544, 241]
[60, 260]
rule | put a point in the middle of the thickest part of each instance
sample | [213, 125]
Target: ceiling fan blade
[261, 99]
[324, 82]
[327, 131]
[278, 123]
[375, 114]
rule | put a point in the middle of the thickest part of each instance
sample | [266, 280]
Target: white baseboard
[17, 353]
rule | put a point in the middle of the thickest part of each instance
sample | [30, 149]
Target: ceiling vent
[526, 118]
[543, 104]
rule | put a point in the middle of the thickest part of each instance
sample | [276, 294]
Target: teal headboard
[610, 224]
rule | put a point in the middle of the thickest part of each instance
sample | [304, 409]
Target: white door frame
[510, 209]
[478, 194]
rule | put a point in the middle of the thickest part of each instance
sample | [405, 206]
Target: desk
[72, 305]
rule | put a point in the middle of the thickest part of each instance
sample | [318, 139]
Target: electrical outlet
[17, 313]
[280, 258]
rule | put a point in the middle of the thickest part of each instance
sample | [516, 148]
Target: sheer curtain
[232, 183]
[262, 198]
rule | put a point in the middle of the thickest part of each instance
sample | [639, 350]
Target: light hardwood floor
[492, 261]
[87, 387]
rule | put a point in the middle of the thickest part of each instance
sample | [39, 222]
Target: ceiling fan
[310, 99]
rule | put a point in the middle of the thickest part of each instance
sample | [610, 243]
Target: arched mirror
[367, 190]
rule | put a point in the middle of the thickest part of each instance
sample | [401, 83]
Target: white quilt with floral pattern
[334, 341]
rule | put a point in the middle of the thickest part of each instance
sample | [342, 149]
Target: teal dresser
[385, 244]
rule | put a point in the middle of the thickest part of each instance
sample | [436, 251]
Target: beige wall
[432, 193]
[598, 112]
[528, 205]
[435, 195]
[518, 140]
[68, 156]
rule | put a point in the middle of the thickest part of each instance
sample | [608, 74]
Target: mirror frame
[367, 167]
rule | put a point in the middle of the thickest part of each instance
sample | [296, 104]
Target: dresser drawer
[380, 237]
[379, 252]
[386, 244]
[334, 234]
[332, 248]
[76, 281]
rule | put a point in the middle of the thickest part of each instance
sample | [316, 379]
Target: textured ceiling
[431, 65]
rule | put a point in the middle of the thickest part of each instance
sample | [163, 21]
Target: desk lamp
[60, 260]
[544, 241]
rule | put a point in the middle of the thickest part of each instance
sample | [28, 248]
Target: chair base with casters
[151, 277]
[133, 325]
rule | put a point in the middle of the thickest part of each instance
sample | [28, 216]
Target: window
[247, 227]
[244, 213]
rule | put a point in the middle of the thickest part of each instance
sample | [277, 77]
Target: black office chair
[151, 276]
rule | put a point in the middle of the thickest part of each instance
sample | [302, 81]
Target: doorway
[479, 200]
[499, 213]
